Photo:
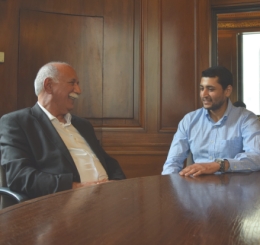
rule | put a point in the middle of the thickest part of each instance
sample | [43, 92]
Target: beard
[215, 106]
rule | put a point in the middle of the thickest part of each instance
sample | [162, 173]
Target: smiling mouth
[206, 101]
[73, 96]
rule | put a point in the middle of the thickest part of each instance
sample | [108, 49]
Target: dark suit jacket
[36, 160]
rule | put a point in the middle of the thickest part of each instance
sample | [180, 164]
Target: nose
[77, 88]
[204, 93]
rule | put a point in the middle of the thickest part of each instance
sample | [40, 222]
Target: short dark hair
[225, 77]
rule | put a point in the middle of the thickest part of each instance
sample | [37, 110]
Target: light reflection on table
[211, 209]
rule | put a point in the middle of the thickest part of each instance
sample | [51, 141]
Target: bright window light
[251, 71]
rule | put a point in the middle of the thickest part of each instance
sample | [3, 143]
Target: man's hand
[198, 169]
[78, 185]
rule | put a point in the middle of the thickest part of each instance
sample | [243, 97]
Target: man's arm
[18, 159]
[205, 168]
[178, 152]
[246, 161]
[249, 159]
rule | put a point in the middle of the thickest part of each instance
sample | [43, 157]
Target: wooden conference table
[213, 209]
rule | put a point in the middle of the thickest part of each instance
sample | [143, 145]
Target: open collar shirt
[89, 167]
[235, 137]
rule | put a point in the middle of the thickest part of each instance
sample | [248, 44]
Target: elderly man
[45, 149]
[221, 137]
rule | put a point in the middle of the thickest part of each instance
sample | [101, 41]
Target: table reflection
[234, 198]
[169, 209]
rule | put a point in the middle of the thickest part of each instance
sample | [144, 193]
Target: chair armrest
[17, 196]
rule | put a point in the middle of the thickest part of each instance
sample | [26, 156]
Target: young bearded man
[220, 136]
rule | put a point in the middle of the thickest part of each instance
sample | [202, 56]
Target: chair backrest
[8, 197]
[5, 200]
[2, 177]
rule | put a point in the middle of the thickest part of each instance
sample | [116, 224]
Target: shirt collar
[67, 117]
[229, 108]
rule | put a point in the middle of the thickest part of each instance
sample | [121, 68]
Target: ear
[47, 84]
[228, 90]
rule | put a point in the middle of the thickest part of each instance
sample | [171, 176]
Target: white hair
[47, 71]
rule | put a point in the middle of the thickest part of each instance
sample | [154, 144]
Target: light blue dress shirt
[235, 137]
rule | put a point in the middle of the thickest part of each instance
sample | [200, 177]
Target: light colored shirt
[89, 167]
[235, 137]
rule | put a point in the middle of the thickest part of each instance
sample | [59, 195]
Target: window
[251, 71]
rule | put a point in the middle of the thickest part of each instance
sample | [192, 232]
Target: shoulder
[192, 119]
[13, 122]
[194, 115]
[16, 115]
[249, 118]
[244, 118]
[243, 114]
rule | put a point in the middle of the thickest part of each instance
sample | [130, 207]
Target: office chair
[8, 197]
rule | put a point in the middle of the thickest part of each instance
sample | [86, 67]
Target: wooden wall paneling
[227, 56]
[140, 165]
[202, 44]
[9, 26]
[9, 19]
[152, 64]
[142, 152]
[90, 67]
[138, 67]
[122, 60]
[77, 40]
[152, 146]
[222, 3]
[75, 7]
[178, 62]
[139, 153]
[118, 59]
[136, 129]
